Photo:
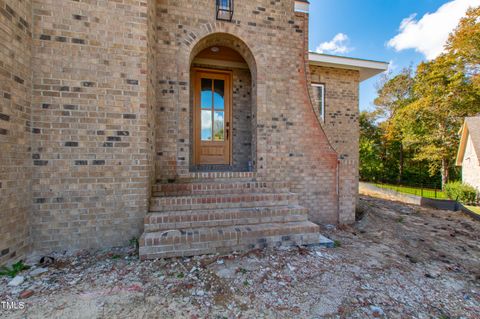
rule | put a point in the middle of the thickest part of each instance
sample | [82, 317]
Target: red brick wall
[15, 127]
[342, 128]
[92, 115]
[110, 113]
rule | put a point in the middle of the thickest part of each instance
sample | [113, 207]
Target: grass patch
[475, 209]
[241, 270]
[14, 270]
[424, 192]
[134, 242]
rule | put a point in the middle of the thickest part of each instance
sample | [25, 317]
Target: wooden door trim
[196, 104]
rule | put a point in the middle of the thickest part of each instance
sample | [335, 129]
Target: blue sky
[367, 26]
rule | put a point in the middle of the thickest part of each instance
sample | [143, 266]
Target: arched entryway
[222, 105]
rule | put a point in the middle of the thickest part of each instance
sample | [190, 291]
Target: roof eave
[367, 68]
[462, 145]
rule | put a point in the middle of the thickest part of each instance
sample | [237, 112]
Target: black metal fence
[418, 190]
[433, 197]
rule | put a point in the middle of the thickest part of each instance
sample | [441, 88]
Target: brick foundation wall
[15, 116]
[92, 119]
[288, 142]
[342, 128]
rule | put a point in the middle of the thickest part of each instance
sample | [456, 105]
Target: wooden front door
[212, 122]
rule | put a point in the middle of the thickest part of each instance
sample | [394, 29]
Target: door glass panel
[219, 88]
[218, 126]
[206, 125]
[206, 94]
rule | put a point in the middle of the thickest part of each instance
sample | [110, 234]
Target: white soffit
[302, 6]
[367, 68]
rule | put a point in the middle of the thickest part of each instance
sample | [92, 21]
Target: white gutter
[367, 68]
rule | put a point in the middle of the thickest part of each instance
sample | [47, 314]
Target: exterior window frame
[224, 10]
[321, 108]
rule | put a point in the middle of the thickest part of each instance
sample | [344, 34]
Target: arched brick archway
[226, 40]
[215, 34]
[188, 53]
[290, 144]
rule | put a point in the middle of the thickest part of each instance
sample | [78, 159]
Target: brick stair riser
[218, 188]
[162, 204]
[176, 219]
[222, 192]
[214, 235]
[226, 246]
[225, 222]
[219, 214]
[217, 176]
[207, 213]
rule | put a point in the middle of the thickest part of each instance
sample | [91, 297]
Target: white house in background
[468, 156]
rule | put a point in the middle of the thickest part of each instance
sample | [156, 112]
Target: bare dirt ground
[398, 261]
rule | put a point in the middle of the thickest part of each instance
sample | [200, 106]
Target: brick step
[216, 176]
[223, 217]
[209, 240]
[212, 177]
[227, 187]
[211, 201]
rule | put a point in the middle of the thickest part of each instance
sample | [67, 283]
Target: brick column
[15, 129]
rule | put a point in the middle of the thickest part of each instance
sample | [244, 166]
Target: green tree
[371, 165]
[430, 123]
[393, 95]
[417, 117]
[464, 43]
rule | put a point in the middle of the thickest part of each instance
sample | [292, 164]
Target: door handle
[228, 129]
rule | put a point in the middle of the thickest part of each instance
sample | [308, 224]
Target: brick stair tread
[213, 182]
[205, 188]
[199, 201]
[196, 196]
[221, 192]
[193, 212]
[223, 217]
[217, 176]
[174, 238]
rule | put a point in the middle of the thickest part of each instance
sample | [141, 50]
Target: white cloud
[206, 120]
[392, 66]
[338, 45]
[429, 34]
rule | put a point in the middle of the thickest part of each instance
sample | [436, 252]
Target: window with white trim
[319, 98]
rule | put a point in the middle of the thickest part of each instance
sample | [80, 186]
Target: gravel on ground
[396, 261]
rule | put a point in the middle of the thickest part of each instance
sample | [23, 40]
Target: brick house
[469, 151]
[204, 127]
